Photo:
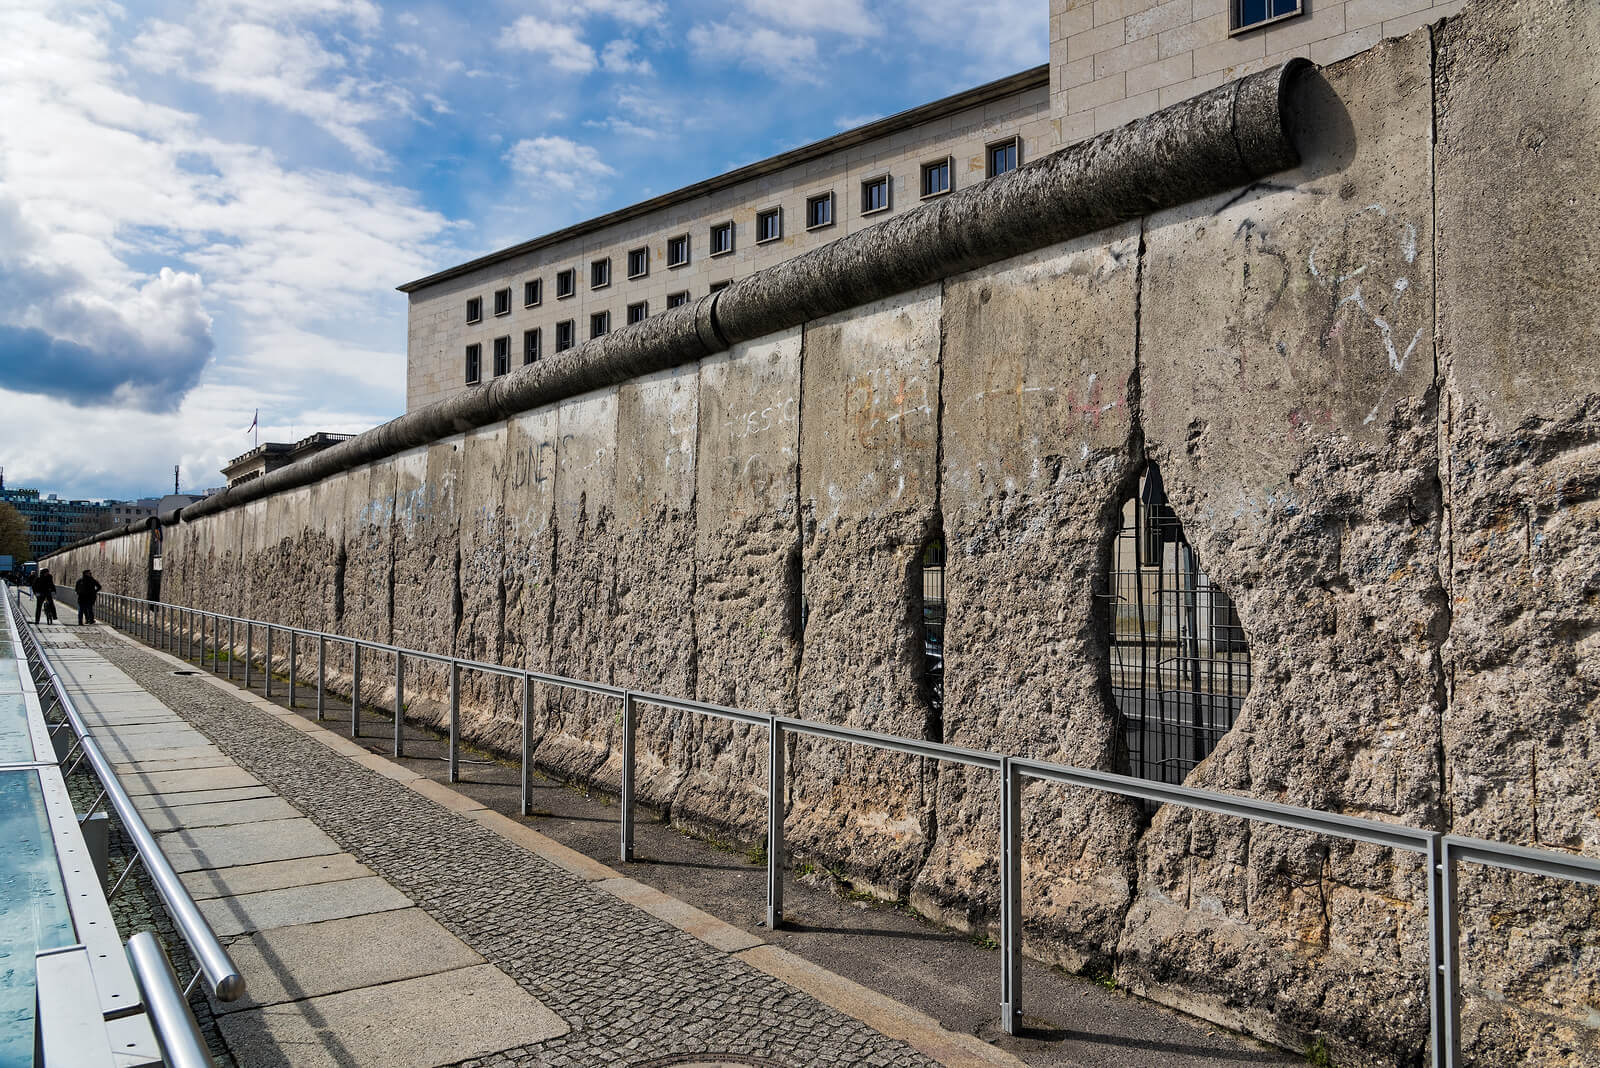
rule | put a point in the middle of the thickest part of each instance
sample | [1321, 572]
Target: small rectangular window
[718, 287]
[566, 283]
[600, 273]
[638, 262]
[676, 299]
[530, 346]
[678, 250]
[1002, 157]
[502, 355]
[875, 195]
[502, 301]
[722, 239]
[936, 177]
[475, 309]
[599, 323]
[533, 293]
[566, 335]
[474, 364]
[769, 225]
[638, 313]
[819, 211]
[1248, 14]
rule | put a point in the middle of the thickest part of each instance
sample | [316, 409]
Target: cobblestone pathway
[632, 988]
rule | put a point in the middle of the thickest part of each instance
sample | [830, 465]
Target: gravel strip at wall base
[632, 988]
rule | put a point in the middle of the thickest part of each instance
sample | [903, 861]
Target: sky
[205, 207]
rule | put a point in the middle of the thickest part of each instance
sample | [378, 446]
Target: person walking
[44, 596]
[87, 589]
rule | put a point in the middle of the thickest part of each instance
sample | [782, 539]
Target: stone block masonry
[1366, 370]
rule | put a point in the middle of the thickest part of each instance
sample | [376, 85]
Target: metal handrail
[175, 1026]
[218, 967]
[1442, 852]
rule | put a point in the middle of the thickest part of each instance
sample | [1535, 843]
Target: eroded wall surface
[1371, 386]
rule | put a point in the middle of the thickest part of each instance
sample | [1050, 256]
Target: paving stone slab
[227, 847]
[415, 1023]
[193, 763]
[292, 905]
[160, 717]
[146, 803]
[312, 959]
[220, 814]
[136, 751]
[273, 875]
[144, 782]
[154, 729]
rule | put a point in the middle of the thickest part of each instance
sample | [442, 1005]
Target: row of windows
[566, 337]
[937, 180]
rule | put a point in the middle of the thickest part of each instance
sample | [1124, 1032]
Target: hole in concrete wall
[795, 582]
[929, 602]
[458, 609]
[338, 585]
[1180, 667]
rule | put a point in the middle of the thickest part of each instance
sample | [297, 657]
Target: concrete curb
[878, 1011]
[916, 1029]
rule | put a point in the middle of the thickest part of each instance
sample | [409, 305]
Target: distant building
[52, 522]
[125, 512]
[271, 455]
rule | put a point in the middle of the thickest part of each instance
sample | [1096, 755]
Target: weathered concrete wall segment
[1370, 384]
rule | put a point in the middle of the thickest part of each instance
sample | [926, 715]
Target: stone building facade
[1111, 61]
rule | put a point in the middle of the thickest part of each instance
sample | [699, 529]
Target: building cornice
[1034, 78]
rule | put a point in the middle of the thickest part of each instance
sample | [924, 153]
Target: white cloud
[255, 48]
[632, 12]
[561, 44]
[848, 17]
[786, 56]
[561, 164]
[618, 57]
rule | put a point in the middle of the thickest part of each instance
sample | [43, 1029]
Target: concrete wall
[1371, 387]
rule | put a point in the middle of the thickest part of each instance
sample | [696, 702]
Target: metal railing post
[294, 664]
[626, 802]
[1443, 969]
[527, 745]
[233, 643]
[355, 689]
[201, 663]
[322, 676]
[249, 650]
[1010, 897]
[399, 703]
[455, 720]
[216, 645]
[266, 667]
[775, 846]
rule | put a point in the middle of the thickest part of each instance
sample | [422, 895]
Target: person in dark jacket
[44, 595]
[87, 589]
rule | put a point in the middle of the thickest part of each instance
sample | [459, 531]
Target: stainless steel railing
[226, 984]
[174, 626]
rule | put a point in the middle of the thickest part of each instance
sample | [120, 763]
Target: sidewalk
[382, 918]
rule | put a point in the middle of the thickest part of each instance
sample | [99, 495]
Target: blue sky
[205, 207]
